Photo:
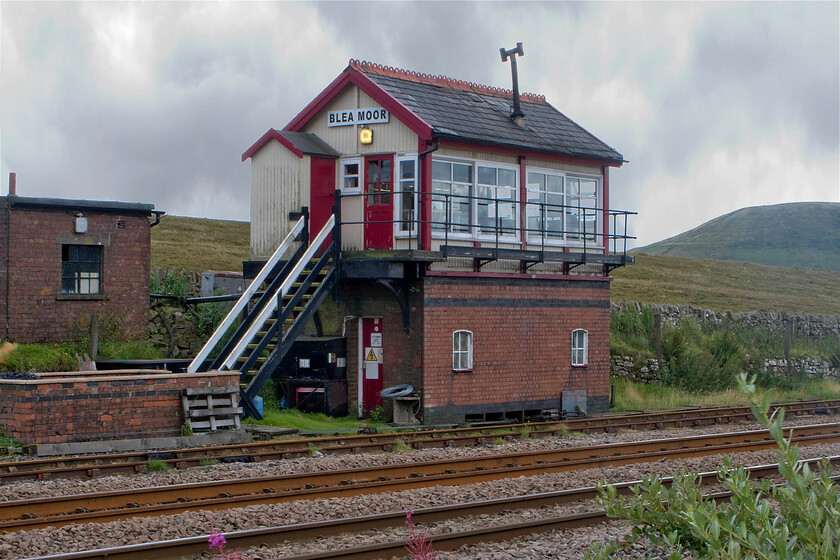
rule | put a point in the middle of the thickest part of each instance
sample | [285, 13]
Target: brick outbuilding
[65, 261]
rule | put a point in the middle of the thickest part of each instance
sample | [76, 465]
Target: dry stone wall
[806, 324]
[818, 327]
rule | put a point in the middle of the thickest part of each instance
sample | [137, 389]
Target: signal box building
[472, 242]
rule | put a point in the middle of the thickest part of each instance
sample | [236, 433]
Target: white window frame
[344, 162]
[474, 232]
[399, 232]
[580, 353]
[458, 352]
[568, 239]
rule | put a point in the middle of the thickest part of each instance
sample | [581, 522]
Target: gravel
[552, 544]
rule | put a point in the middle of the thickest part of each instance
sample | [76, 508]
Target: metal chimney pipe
[12, 183]
[517, 115]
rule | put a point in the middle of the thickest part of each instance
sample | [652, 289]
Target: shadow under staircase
[268, 327]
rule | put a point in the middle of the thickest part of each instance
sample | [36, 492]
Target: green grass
[200, 244]
[61, 356]
[156, 465]
[644, 396]
[723, 285]
[307, 422]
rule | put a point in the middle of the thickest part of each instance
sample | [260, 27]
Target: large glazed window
[81, 269]
[562, 208]
[451, 191]
[474, 199]
[462, 350]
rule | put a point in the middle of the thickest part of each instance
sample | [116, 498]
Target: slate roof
[477, 113]
[310, 143]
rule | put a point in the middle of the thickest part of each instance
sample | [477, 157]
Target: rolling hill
[201, 244]
[798, 235]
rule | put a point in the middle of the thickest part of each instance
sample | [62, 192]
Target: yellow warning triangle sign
[371, 357]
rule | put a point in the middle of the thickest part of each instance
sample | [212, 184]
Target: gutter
[158, 215]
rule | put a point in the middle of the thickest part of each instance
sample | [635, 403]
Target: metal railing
[509, 229]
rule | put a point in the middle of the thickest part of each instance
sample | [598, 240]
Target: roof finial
[517, 115]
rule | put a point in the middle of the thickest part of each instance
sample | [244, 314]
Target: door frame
[388, 227]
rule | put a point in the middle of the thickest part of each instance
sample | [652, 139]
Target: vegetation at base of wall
[62, 356]
[799, 518]
[200, 244]
[308, 422]
[631, 395]
[706, 358]
[726, 285]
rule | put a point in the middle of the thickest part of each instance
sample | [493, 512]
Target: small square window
[580, 348]
[81, 269]
[350, 175]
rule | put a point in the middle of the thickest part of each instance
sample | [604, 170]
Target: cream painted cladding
[387, 138]
[279, 185]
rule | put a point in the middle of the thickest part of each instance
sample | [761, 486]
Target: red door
[371, 356]
[379, 204]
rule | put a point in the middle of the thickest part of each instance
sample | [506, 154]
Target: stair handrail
[246, 296]
[268, 310]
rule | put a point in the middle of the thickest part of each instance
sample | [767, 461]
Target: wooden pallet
[211, 408]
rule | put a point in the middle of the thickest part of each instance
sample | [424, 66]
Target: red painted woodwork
[372, 364]
[606, 202]
[272, 134]
[379, 202]
[353, 76]
[321, 194]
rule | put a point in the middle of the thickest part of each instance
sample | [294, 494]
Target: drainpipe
[158, 215]
[8, 209]
[425, 198]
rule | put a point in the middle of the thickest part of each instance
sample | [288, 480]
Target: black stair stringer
[264, 373]
[269, 294]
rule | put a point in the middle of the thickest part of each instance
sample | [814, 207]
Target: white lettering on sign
[374, 115]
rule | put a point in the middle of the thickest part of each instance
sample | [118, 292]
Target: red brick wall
[89, 406]
[401, 354]
[521, 344]
[36, 310]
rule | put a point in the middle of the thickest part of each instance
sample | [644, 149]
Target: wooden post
[788, 343]
[93, 345]
[657, 334]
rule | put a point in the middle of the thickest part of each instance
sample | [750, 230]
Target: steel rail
[130, 463]
[225, 494]
[193, 546]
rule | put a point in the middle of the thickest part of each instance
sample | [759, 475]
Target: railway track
[225, 494]
[129, 463]
[194, 546]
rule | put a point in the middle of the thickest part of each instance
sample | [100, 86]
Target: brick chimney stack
[12, 183]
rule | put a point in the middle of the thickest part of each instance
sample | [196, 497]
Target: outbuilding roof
[15, 201]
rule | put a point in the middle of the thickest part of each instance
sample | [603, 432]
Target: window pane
[385, 170]
[507, 178]
[441, 171]
[487, 175]
[462, 173]
[407, 169]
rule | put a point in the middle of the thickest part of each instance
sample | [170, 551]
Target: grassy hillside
[200, 244]
[724, 285]
[802, 234]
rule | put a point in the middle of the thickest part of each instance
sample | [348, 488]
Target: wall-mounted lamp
[80, 224]
[366, 136]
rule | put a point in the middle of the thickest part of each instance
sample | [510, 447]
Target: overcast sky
[716, 106]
